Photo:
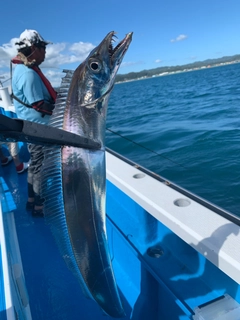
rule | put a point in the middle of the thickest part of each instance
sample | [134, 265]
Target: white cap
[29, 38]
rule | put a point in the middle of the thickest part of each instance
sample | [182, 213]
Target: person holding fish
[34, 100]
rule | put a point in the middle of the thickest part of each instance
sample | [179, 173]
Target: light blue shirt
[29, 88]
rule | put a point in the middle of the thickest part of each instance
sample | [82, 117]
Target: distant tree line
[156, 71]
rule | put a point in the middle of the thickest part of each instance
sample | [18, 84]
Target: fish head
[96, 75]
[90, 88]
[105, 60]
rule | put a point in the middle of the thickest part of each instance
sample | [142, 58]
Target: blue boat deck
[159, 275]
[54, 293]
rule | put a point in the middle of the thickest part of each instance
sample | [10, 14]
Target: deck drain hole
[182, 202]
[155, 252]
[138, 175]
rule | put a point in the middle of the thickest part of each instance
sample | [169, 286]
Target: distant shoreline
[178, 69]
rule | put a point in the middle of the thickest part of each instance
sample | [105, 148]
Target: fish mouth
[121, 46]
[116, 53]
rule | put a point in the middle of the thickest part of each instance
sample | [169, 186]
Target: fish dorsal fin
[56, 120]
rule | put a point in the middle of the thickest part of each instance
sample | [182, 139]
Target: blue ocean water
[191, 123]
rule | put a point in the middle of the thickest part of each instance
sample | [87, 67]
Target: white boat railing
[6, 102]
[5, 269]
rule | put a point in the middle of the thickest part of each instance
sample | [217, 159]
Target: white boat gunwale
[200, 224]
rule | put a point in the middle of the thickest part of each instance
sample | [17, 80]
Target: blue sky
[166, 32]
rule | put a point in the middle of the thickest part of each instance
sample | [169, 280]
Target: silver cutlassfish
[75, 179]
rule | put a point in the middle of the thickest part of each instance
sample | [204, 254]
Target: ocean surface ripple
[191, 123]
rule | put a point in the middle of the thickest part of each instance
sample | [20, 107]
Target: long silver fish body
[74, 179]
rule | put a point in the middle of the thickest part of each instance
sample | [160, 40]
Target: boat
[174, 255]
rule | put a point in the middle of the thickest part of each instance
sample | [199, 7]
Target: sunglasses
[41, 46]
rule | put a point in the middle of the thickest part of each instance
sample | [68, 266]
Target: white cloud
[63, 54]
[7, 51]
[54, 76]
[158, 61]
[82, 49]
[179, 38]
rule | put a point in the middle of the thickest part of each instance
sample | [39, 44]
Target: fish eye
[95, 65]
